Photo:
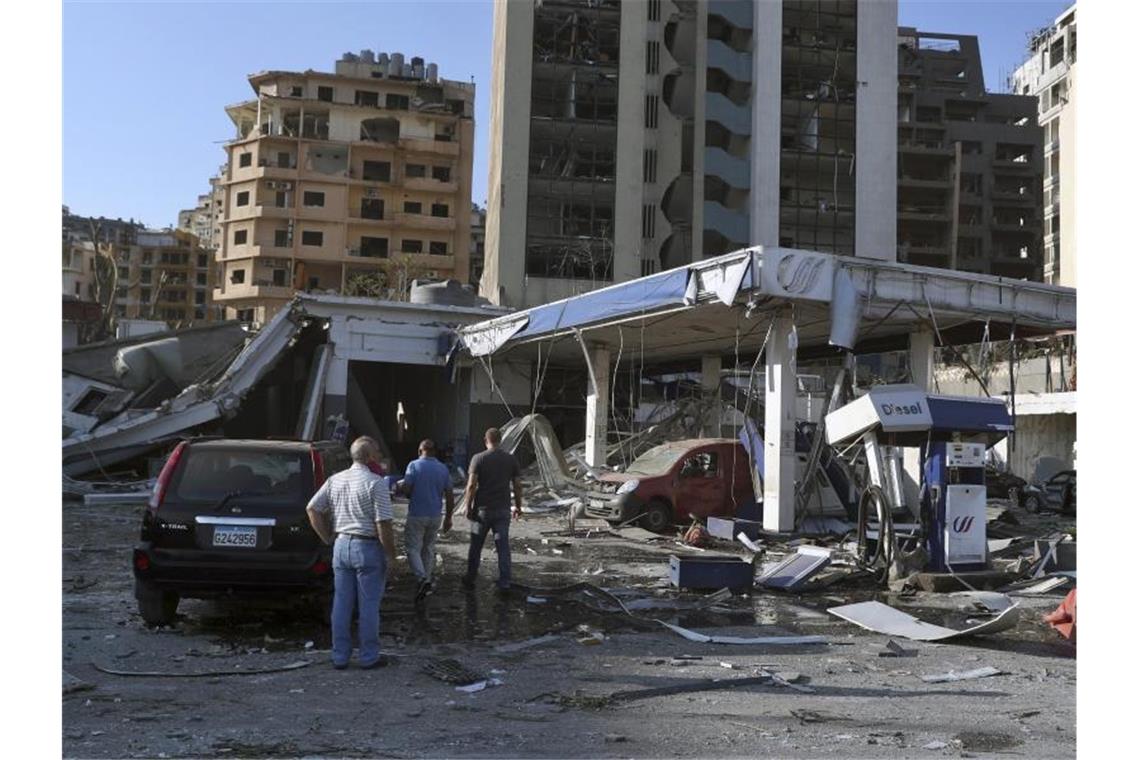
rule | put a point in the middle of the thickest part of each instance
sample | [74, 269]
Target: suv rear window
[208, 474]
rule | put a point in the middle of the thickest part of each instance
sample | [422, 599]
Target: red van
[674, 482]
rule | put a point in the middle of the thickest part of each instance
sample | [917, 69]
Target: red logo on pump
[962, 524]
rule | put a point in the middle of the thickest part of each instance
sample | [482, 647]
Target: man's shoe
[422, 591]
[340, 665]
[468, 582]
[503, 590]
[379, 662]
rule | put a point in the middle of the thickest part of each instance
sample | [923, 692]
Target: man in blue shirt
[428, 484]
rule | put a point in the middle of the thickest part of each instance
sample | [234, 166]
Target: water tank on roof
[446, 293]
[367, 56]
[433, 72]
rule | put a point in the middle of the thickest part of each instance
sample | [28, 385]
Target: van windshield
[656, 461]
[207, 475]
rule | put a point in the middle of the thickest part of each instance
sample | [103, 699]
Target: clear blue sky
[145, 83]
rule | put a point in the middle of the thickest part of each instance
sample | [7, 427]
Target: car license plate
[234, 535]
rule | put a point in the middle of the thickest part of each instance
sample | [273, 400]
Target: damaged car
[227, 517]
[695, 478]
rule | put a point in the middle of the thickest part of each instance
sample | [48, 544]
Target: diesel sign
[901, 409]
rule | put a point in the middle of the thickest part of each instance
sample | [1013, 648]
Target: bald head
[492, 437]
[364, 449]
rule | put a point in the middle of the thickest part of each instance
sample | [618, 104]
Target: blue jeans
[501, 524]
[419, 543]
[359, 573]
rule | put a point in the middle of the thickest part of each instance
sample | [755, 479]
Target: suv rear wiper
[233, 495]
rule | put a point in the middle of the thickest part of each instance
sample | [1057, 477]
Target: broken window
[242, 198]
[371, 208]
[144, 276]
[441, 173]
[312, 198]
[315, 125]
[284, 160]
[200, 298]
[378, 171]
[240, 237]
[297, 91]
[413, 207]
[245, 159]
[147, 257]
[412, 246]
[396, 102]
[279, 277]
[374, 247]
[380, 130]
[144, 295]
[312, 237]
[439, 210]
[415, 171]
[90, 401]
[237, 276]
[200, 279]
[314, 283]
[281, 200]
[703, 465]
[325, 93]
[367, 98]
[281, 238]
[437, 248]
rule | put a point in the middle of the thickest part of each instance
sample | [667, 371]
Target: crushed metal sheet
[965, 675]
[990, 601]
[710, 684]
[795, 569]
[778, 640]
[202, 674]
[753, 547]
[894, 649]
[881, 618]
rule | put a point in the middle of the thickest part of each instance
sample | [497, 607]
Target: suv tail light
[318, 470]
[160, 485]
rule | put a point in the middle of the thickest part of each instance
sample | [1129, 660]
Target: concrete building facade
[969, 166]
[629, 137]
[165, 275]
[204, 221]
[478, 243]
[1050, 75]
[354, 182]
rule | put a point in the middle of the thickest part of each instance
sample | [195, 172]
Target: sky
[145, 84]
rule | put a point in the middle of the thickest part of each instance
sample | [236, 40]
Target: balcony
[931, 182]
[383, 223]
[1011, 195]
[737, 65]
[424, 222]
[736, 172]
[256, 290]
[429, 185]
[925, 148]
[273, 212]
[434, 147]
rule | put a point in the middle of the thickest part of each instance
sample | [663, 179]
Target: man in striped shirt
[355, 506]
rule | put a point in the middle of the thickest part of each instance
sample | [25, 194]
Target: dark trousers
[501, 524]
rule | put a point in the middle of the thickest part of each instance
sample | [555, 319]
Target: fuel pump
[951, 435]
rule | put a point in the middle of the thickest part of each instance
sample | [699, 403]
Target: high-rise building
[356, 181]
[969, 166]
[1050, 75]
[627, 137]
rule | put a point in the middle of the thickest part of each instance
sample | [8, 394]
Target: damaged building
[327, 366]
[633, 137]
[969, 165]
[353, 182]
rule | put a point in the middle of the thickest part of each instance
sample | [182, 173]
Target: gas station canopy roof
[724, 304]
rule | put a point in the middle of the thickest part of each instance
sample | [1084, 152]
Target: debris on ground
[796, 569]
[71, 684]
[1064, 618]
[202, 674]
[452, 671]
[880, 618]
[776, 640]
[894, 649]
[966, 675]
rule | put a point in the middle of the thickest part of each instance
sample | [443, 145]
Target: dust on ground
[554, 699]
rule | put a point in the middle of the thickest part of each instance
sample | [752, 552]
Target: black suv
[228, 517]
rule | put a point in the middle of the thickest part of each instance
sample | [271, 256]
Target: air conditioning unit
[371, 192]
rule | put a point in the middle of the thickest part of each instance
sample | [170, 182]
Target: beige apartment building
[355, 182]
[1050, 74]
[205, 219]
[165, 275]
[632, 136]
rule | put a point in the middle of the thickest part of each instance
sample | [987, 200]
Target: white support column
[922, 374]
[597, 406]
[780, 427]
[710, 390]
[922, 359]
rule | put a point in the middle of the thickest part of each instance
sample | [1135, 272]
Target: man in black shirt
[488, 497]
